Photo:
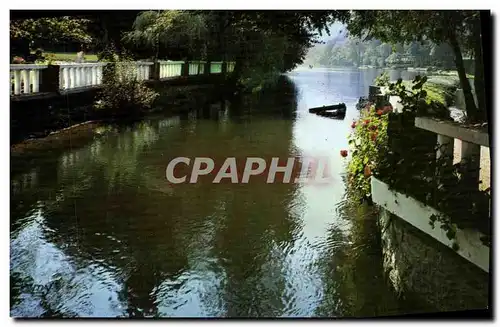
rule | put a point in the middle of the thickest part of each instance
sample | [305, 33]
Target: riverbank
[50, 122]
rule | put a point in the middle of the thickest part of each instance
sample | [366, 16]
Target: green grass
[69, 56]
[438, 88]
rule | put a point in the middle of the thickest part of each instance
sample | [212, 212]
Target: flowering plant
[18, 60]
[367, 142]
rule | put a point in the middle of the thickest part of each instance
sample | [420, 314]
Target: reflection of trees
[87, 198]
[108, 204]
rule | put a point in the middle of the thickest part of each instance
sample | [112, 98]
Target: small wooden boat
[336, 111]
[338, 107]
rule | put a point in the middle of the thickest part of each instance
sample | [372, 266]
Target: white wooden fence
[170, 68]
[25, 79]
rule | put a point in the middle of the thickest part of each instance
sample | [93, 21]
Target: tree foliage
[51, 30]
[157, 30]
[460, 29]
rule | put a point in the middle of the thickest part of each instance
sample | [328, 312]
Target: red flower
[18, 60]
[380, 112]
[366, 122]
[353, 125]
[374, 136]
[373, 127]
[343, 153]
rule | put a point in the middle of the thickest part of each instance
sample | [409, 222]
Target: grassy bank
[68, 56]
[440, 88]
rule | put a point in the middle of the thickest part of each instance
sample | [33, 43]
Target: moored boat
[337, 111]
[340, 106]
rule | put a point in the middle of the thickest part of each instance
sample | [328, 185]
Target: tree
[439, 26]
[169, 29]
[34, 33]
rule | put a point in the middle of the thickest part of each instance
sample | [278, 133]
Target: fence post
[185, 68]
[224, 68]
[50, 79]
[207, 68]
[155, 74]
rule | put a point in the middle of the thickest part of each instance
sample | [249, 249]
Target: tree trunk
[479, 71]
[470, 105]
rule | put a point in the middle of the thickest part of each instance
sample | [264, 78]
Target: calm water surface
[97, 232]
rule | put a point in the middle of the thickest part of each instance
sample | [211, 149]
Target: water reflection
[97, 231]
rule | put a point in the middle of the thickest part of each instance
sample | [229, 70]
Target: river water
[96, 231]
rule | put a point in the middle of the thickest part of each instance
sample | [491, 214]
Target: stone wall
[417, 264]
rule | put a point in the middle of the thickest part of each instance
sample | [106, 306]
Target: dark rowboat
[334, 111]
[340, 106]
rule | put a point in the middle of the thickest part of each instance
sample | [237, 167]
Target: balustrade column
[94, 75]
[86, 75]
[36, 80]
[25, 73]
[17, 82]
[99, 75]
[72, 80]
[445, 149]
[65, 73]
[470, 156]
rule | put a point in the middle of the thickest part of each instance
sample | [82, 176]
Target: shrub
[367, 142]
[382, 79]
[123, 94]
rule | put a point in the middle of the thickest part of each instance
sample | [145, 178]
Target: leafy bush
[382, 79]
[367, 142]
[123, 94]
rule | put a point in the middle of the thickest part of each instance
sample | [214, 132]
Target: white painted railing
[471, 139]
[417, 214]
[143, 70]
[216, 67]
[170, 68]
[197, 67]
[25, 79]
[75, 75]
[230, 66]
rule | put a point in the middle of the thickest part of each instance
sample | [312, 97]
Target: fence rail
[471, 141]
[30, 78]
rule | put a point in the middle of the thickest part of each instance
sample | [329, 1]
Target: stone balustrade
[25, 79]
[75, 75]
[64, 77]
[169, 69]
[215, 67]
